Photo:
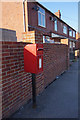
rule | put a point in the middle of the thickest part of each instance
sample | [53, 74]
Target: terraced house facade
[51, 26]
[27, 17]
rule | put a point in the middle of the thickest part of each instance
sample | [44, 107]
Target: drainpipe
[25, 20]
[25, 15]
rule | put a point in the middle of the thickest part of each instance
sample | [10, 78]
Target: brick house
[51, 26]
[48, 23]
[27, 17]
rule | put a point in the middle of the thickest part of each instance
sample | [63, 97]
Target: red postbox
[33, 58]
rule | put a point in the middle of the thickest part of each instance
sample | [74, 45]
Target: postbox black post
[34, 89]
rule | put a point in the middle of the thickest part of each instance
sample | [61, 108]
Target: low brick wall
[16, 84]
[33, 37]
[0, 80]
[55, 61]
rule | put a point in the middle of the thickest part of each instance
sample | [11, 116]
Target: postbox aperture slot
[40, 49]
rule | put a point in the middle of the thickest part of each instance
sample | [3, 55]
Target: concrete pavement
[58, 100]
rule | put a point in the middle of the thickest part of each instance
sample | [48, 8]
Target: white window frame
[43, 39]
[48, 39]
[74, 34]
[41, 18]
[70, 32]
[55, 25]
[64, 29]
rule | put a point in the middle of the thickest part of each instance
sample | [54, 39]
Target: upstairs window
[64, 29]
[70, 32]
[73, 33]
[41, 17]
[55, 25]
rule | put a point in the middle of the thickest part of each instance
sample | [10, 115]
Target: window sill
[65, 33]
[42, 26]
[56, 30]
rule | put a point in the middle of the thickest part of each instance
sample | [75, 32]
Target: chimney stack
[58, 14]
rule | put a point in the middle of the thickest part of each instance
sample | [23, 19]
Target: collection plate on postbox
[33, 58]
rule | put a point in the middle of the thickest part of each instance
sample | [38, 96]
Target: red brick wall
[78, 44]
[16, 84]
[55, 61]
[0, 80]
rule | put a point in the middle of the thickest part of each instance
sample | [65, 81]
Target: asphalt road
[58, 100]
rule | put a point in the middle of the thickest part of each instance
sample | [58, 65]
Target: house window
[41, 17]
[70, 32]
[73, 33]
[73, 44]
[70, 44]
[55, 25]
[47, 39]
[64, 29]
[43, 39]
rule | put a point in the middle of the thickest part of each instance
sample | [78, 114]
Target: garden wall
[17, 84]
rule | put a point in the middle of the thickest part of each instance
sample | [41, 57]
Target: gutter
[24, 17]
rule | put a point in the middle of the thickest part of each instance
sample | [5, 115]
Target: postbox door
[40, 63]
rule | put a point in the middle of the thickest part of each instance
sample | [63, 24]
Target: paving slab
[58, 100]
